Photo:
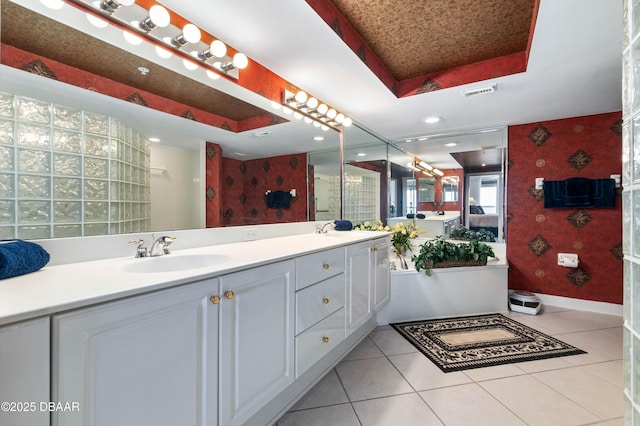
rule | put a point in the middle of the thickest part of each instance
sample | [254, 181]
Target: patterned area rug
[462, 343]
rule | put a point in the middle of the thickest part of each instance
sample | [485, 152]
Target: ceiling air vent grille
[480, 91]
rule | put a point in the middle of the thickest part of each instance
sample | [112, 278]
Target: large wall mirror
[125, 183]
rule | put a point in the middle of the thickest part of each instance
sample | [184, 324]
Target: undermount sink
[175, 262]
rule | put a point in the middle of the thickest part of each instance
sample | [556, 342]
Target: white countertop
[63, 287]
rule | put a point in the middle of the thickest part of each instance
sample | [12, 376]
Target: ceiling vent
[480, 90]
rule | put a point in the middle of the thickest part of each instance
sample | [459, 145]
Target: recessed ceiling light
[238, 154]
[409, 140]
[154, 139]
[318, 138]
[423, 138]
[450, 144]
[432, 120]
[361, 154]
[262, 134]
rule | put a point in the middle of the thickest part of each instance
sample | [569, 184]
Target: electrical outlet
[249, 234]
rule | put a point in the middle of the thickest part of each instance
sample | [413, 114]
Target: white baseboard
[581, 305]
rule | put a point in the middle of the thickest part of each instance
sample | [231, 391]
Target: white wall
[177, 190]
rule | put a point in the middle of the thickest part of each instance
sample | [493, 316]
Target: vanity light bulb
[316, 124]
[307, 120]
[301, 97]
[189, 65]
[324, 127]
[218, 49]
[159, 16]
[126, 2]
[347, 122]
[191, 33]
[287, 110]
[331, 114]
[97, 22]
[240, 61]
[297, 115]
[53, 4]
[322, 109]
[162, 52]
[339, 118]
[275, 105]
[212, 75]
[312, 103]
[132, 38]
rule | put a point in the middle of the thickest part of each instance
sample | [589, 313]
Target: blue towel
[19, 257]
[410, 216]
[343, 225]
[420, 216]
[278, 200]
[577, 192]
[570, 193]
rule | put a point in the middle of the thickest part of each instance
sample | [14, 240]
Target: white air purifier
[524, 301]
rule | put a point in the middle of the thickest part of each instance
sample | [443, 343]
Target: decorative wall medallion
[228, 213]
[429, 85]
[509, 216]
[579, 160]
[541, 162]
[617, 252]
[539, 245]
[335, 26]
[243, 198]
[279, 214]
[539, 135]
[211, 193]
[211, 152]
[539, 273]
[243, 167]
[229, 181]
[254, 213]
[617, 127]
[254, 181]
[39, 68]
[279, 180]
[510, 163]
[362, 54]
[137, 99]
[293, 162]
[540, 218]
[538, 194]
[577, 245]
[578, 128]
[225, 126]
[188, 115]
[579, 218]
[266, 165]
[578, 277]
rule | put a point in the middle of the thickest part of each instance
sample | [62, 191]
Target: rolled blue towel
[343, 225]
[18, 257]
[411, 216]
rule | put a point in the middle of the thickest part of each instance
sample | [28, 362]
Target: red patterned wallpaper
[591, 147]
[243, 185]
[213, 185]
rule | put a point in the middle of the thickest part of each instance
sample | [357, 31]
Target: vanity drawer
[318, 301]
[317, 267]
[318, 341]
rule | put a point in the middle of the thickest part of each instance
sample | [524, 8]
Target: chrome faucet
[322, 229]
[160, 245]
[141, 250]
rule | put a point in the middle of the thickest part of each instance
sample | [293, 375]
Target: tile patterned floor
[385, 381]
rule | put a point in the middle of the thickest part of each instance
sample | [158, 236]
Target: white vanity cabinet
[146, 360]
[380, 271]
[256, 339]
[358, 282]
[24, 373]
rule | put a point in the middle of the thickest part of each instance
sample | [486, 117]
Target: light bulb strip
[225, 64]
[299, 102]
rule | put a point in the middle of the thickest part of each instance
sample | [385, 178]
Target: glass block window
[631, 208]
[361, 195]
[68, 173]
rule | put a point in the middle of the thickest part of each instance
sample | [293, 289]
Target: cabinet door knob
[325, 266]
[215, 300]
[229, 294]
[325, 301]
[374, 249]
[325, 339]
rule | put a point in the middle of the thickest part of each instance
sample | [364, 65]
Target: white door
[381, 272]
[24, 373]
[358, 271]
[147, 360]
[256, 339]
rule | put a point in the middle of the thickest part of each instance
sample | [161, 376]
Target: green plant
[440, 250]
[463, 233]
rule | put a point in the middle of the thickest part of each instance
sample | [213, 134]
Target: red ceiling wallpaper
[590, 147]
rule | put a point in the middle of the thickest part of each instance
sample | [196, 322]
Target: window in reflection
[68, 173]
[449, 189]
